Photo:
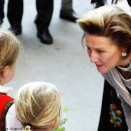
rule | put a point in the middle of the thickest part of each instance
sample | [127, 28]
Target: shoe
[45, 37]
[16, 31]
[69, 15]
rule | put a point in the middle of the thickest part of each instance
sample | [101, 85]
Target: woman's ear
[55, 123]
[5, 72]
[123, 50]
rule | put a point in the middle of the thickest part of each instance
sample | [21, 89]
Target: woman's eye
[88, 48]
[100, 51]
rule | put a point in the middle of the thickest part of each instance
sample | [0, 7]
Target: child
[9, 50]
[38, 106]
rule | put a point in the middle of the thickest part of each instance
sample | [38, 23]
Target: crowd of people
[42, 20]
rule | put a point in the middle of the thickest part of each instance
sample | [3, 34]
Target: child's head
[9, 50]
[39, 104]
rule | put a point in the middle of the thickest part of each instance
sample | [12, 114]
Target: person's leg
[15, 13]
[129, 2]
[66, 4]
[99, 3]
[93, 1]
[43, 19]
[1, 11]
[67, 11]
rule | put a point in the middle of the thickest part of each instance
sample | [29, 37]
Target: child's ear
[55, 123]
[5, 72]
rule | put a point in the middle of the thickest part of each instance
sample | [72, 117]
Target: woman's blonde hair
[39, 104]
[9, 49]
[109, 21]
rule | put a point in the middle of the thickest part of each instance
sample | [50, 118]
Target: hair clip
[29, 124]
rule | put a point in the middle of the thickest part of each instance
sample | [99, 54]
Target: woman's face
[102, 52]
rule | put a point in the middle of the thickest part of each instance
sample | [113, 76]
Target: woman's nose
[93, 57]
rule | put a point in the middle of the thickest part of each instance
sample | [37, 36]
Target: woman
[108, 41]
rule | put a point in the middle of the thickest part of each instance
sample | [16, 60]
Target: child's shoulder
[5, 100]
[5, 103]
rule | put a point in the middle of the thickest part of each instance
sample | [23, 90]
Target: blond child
[9, 50]
[38, 106]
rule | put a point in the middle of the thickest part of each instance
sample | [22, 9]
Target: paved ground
[65, 63]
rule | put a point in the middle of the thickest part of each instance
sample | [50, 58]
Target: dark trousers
[129, 2]
[14, 13]
[1, 9]
[110, 98]
[44, 14]
[100, 2]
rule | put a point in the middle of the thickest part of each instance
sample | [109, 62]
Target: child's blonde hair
[39, 104]
[9, 49]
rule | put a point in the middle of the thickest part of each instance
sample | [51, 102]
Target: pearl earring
[124, 54]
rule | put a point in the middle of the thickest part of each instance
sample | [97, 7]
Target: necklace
[125, 69]
[125, 72]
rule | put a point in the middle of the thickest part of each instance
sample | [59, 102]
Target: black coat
[129, 2]
[110, 98]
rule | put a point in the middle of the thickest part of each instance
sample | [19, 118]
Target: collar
[125, 69]
[120, 86]
[4, 89]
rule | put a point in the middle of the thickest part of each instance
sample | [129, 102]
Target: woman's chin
[102, 70]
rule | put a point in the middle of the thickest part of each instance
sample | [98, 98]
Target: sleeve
[12, 122]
